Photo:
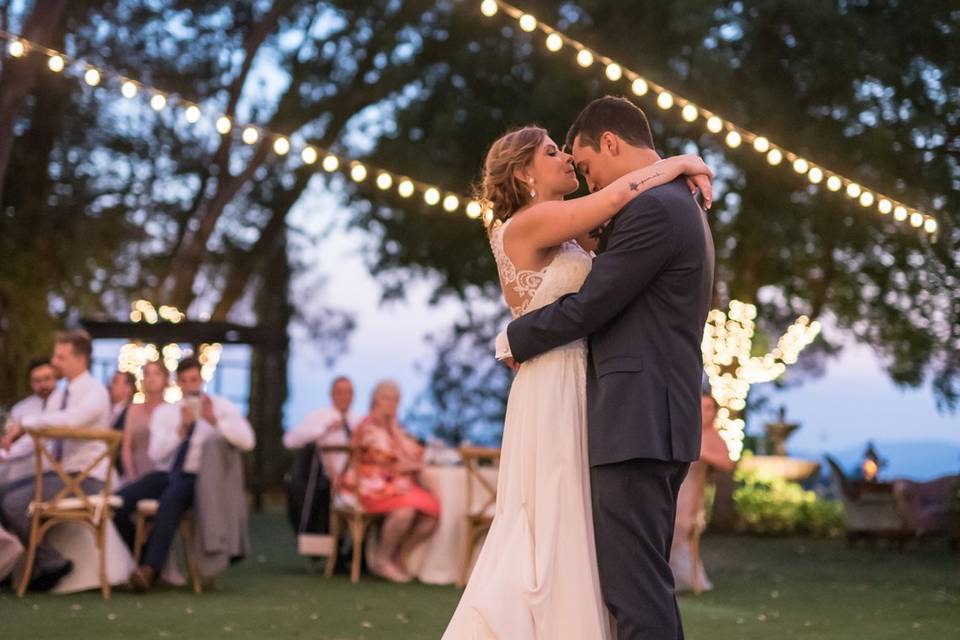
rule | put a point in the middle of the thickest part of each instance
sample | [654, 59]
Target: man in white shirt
[177, 434]
[16, 456]
[331, 426]
[84, 404]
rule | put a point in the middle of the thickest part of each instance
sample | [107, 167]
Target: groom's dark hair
[616, 115]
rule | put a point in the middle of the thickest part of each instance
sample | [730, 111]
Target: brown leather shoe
[142, 578]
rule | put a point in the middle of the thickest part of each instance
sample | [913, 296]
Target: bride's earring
[533, 192]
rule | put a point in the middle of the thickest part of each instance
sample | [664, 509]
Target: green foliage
[771, 505]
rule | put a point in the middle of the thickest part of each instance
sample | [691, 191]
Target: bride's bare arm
[549, 224]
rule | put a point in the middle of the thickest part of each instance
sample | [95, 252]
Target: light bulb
[916, 219]
[853, 190]
[689, 113]
[224, 125]
[885, 206]
[474, 209]
[488, 8]
[92, 77]
[930, 225]
[714, 124]
[128, 89]
[528, 23]
[801, 166]
[733, 139]
[16, 49]
[834, 183]
[192, 114]
[308, 155]
[665, 100]
[56, 64]
[815, 175]
[900, 213]
[158, 102]
[554, 42]
[451, 203]
[405, 188]
[775, 157]
[639, 87]
[866, 199]
[584, 58]
[330, 163]
[761, 144]
[358, 172]
[281, 146]
[614, 72]
[250, 135]
[384, 181]
[431, 196]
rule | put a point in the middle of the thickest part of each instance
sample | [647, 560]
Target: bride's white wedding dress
[536, 575]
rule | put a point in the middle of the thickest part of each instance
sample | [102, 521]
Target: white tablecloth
[439, 560]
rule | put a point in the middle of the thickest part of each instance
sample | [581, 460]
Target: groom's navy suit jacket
[643, 307]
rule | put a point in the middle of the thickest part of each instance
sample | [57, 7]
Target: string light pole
[733, 135]
[731, 370]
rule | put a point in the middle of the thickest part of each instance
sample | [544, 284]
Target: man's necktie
[58, 444]
[346, 428]
[182, 450]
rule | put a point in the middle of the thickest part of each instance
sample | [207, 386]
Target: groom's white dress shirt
[87, 407]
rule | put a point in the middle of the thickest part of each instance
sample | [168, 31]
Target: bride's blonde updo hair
[501, 190]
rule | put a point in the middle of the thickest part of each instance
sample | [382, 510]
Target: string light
[474, 210]
[726, 347]
[406, 188]
[358, 172]
[134, 356]
[281, 146]
[866, 199]
[251, 134]
[665, 99]
[885, 206]
[639, 87]
[331, 163]
[192, 114]
[16, 49]
[384, 181]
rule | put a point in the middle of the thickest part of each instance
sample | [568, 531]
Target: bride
[536, 575]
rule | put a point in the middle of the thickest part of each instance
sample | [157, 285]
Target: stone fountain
[777, 463]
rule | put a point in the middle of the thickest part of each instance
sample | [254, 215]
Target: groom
[643, 307]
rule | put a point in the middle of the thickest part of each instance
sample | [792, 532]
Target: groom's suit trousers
[634, 510]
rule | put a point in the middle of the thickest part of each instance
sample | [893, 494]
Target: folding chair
[351, 514]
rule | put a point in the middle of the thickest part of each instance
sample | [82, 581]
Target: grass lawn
[765, 588]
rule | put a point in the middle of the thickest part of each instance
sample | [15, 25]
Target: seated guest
[122, 386]
[136, 427]
[330, 426]
[691, 501]
[16, 457]
[177, 434]
[84, 403]
[385, 481]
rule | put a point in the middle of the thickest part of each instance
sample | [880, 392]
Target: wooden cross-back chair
[352, 515]
[72, 503]
[481, 499]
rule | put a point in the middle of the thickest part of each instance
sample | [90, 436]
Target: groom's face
[598, 167]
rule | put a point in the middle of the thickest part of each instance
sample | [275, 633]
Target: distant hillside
[916, 460]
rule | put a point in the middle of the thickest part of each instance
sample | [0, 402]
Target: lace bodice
[564, 274]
